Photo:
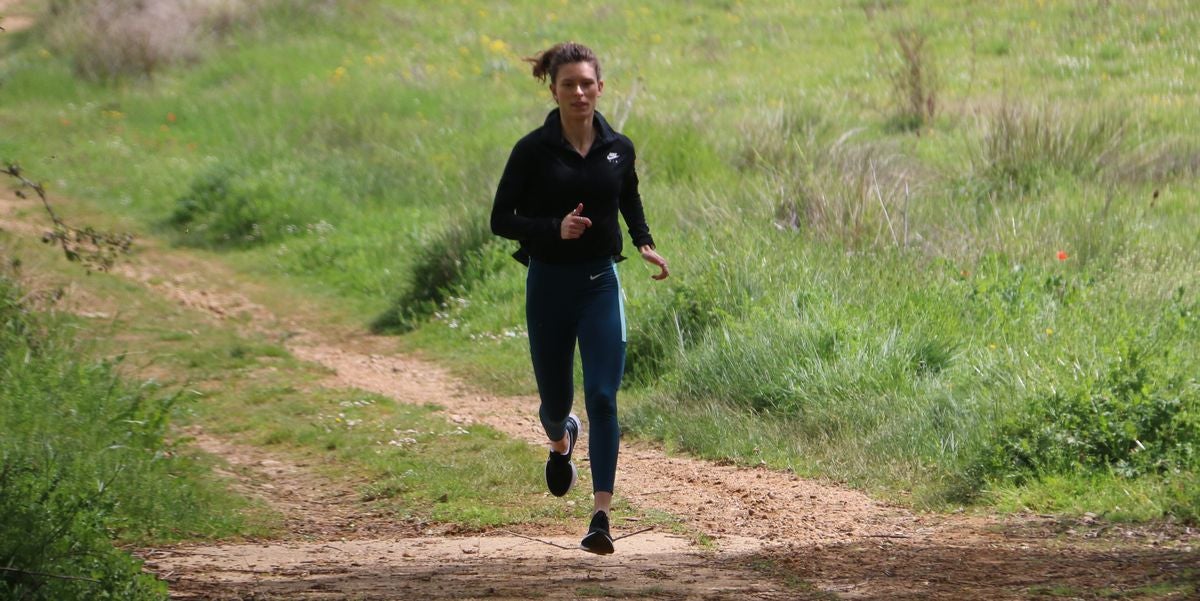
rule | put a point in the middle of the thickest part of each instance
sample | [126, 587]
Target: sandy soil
[776, 536]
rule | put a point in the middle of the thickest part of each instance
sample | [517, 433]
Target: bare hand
[574, 224]
[653, 257]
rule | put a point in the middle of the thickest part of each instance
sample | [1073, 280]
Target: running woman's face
[576, 89]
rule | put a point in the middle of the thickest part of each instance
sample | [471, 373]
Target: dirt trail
[777, 536]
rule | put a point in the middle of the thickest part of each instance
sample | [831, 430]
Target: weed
[223, 208]
[914, 79]
[83, 459]
[670, 323]
[1137, 415]
[1023, 147]
[838, 191]
[451, 262]
[109, 39]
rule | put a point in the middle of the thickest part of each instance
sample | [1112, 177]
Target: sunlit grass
[854, 301]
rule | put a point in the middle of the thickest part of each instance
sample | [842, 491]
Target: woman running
[559, 197]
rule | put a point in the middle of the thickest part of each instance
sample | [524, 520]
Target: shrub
[914, 80]
[448, 263]
[1137, 414]
[222, 207]
[1023, 146]
[68, 433]
[855, 195]
[108, 39]
[666, 324]
[83, 460]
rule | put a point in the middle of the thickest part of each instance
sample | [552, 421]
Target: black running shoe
[598, 540]
[560, 472]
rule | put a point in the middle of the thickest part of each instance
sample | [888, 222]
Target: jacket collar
[552, 131]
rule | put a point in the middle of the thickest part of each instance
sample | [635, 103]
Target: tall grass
[446, 266]
[1023, 146]
[83, 460]
[914, 79]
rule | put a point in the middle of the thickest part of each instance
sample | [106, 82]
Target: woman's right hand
[574, 224]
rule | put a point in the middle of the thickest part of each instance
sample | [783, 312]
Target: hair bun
[547, 62]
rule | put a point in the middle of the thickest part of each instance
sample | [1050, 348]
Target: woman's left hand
[649, 254]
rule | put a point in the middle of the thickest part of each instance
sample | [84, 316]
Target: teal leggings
[579, 302]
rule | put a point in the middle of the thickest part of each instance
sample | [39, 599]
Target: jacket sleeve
[512, 191]
[631, 208]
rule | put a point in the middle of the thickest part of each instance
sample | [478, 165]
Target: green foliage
[224, 208]
[860, 302]
[449, 263]
[55, 496]
[83, 459]
[670, 323]
[1136, 415]
[1023, 147]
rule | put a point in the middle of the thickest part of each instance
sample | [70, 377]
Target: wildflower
[1062, 255]
[1049, 331]
[170, 117]
[338, 74]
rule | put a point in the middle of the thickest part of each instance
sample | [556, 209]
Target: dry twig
[94, 249]
[568, 548]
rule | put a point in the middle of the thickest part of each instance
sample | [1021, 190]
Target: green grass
[408, 459]
[86, 460]
[855, 300]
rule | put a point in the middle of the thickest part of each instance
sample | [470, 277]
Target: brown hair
[549, 60]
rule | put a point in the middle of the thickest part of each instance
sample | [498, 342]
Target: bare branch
[94, 249]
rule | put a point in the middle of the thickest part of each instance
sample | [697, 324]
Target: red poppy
[1062, 255]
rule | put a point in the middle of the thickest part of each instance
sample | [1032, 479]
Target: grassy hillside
[937, 249]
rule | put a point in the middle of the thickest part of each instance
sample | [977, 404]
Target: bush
[855, 195]
[449, 263]
[107, 39]
[666, 324]
[67, 432]
[83, 460]
[914, 80]
[1024, 146]
[1139, 414]
[222, 207]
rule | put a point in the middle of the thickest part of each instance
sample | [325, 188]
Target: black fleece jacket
[545, 179]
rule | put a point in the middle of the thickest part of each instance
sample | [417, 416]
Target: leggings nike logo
[592, 277]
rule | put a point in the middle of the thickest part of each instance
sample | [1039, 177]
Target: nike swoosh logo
[592, 277]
